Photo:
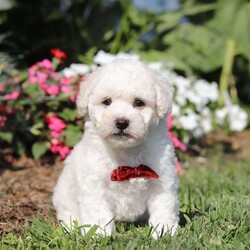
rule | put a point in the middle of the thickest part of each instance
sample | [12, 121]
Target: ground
[27, 185]
[25, 193]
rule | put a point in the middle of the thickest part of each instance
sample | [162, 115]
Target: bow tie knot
[125, 173]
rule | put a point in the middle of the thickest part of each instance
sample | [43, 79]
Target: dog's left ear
[83, 96]
[164, 97]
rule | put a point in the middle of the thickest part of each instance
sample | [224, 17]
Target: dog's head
[124, 100]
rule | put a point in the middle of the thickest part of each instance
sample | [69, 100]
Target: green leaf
[168, 20]
[73, 135]
[39, 149]
[68, 114]
[6, 136]
[194, 9]
[241, 30]
[35, 129]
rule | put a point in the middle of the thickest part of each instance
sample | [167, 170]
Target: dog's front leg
[97, 213]
[163, 214]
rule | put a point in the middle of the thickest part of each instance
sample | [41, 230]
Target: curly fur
[84, 191]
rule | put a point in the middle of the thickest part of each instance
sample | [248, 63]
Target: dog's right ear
[83, 97]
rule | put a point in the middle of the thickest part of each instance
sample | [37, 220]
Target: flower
[47, 64]
[237, 118]
[80, 69]
[51, 89]
[55, 123]
[3, 119]
[1, 87]
[189, 122]
[59, 54]
[12, 96]
[59, 147]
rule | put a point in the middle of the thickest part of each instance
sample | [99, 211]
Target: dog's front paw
[160, 230]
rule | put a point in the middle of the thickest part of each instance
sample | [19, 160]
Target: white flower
[181, 100]
[197, 99]
[155, 66]
[189, 122]
[182, 84]
[208, 91]
[126, 56]
[103, 58]
[220, 115]
[206, 120]
[80, 68]
[237, 118]
[68, 72]
[176, 109]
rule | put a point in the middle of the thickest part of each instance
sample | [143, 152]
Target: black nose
[121, 123]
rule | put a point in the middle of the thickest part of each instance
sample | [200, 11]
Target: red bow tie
[125, 173]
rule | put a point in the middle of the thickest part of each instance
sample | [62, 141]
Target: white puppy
[124, 105]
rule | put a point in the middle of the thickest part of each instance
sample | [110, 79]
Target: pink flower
[41, 76]
[47, 64]
[12, 96]
[66, 80]
[53, 75]
[59, 147]
[66, 89]
[177, 143]
[178, 167]
[55, 134]
[2, 120]
[51, 89]
[170, 122]
[55, 123]
[73, 98]
[1, 87]
[32, 79]
[32, 70]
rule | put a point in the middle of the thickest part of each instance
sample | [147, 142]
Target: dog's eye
[138, 103]
[107, 102]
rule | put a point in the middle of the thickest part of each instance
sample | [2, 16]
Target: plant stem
[226, 69]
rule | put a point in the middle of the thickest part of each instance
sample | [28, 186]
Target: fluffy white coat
[127, 90]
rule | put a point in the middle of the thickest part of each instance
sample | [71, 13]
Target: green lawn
[215, 214]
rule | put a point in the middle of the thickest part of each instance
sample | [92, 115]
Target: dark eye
[138, 103]
[107, 102]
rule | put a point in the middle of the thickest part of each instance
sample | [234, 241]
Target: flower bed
[38, 114]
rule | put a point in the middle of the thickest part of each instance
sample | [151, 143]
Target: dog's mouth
[122, 135]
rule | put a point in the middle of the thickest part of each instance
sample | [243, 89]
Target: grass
[214, 207]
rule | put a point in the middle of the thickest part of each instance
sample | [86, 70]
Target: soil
[26, 188]
[26, 185]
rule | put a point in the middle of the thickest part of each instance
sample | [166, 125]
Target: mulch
[26, 188]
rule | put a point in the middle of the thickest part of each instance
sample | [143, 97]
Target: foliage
[76, 26]
[197, 43]
[214, 215]
[35, 106]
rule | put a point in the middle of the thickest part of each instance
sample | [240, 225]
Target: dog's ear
[164, 96]
[83, 96]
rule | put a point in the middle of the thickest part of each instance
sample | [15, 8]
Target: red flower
[59, 54]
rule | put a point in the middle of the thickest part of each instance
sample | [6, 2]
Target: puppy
[123, 167]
